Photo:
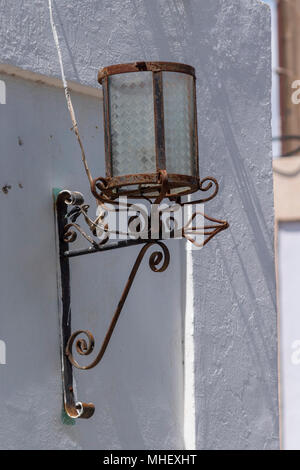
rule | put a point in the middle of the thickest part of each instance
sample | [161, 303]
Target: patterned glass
[179, 114]
[132, 123]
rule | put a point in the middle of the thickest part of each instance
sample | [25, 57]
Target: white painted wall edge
[189, 350]
[189, 355]
[14, 71]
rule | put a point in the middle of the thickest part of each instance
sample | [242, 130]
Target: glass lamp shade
[150, 124]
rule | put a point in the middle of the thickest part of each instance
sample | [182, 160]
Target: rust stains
[6, 188]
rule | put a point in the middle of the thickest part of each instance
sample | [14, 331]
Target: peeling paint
[6, 188]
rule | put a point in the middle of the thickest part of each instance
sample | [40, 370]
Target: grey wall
[138, 388]
[235, 299]
[228, 41]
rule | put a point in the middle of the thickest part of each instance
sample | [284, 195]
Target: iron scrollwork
[68, 229]
[82, 347]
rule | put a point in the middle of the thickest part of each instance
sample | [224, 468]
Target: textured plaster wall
[228, 41]
[138, 388]
[235, 300]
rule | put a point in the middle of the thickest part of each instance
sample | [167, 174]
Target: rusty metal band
[150, 178]
[120, 185]
[107, 133]
[164, 188]
[159, 123]
[102, 187]
[195, 136]
[145, 67]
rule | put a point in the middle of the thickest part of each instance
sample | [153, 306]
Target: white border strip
[14, 71]
[189, 356]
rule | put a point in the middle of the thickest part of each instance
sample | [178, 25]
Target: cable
[67, 93]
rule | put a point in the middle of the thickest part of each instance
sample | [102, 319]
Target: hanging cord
[67, 94]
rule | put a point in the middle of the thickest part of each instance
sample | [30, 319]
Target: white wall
[138, 390]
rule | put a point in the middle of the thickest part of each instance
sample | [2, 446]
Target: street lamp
[151, 154]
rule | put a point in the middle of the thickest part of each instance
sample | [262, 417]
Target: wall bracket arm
[158, 262]
[67, 229]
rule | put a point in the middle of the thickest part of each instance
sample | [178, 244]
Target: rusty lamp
[150, 123]
[151, 153]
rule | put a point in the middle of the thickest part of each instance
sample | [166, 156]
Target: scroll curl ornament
[205, 185]
[70, 235]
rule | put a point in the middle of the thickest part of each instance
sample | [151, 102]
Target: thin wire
[67, 93]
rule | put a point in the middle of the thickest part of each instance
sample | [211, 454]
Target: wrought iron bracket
[73, 408]
[67, 229]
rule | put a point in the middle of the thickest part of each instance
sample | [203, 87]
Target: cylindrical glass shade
[150, 126]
